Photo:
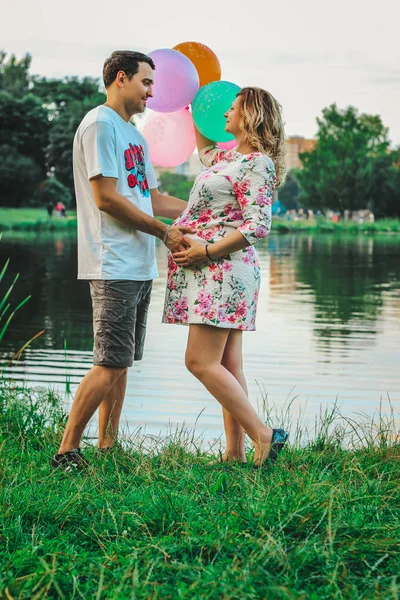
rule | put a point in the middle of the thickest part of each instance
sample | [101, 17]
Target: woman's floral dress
[233, 192]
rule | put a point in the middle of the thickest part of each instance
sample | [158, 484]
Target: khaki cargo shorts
[120, 311]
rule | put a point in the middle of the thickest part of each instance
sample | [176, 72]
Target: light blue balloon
[209, 106]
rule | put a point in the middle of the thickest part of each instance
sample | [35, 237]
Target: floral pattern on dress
[233, 192]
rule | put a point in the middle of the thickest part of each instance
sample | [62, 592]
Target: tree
[39, 117]
[67, 101]
[14, 74]
[24, 124]
[290, 191]
[380, 182]
[61, 139]
[176, 185]
[52, 191]
[24, 128]
[57, 94]
[348, 144]
[19, 177]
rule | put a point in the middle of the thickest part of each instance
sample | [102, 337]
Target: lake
[328, 329]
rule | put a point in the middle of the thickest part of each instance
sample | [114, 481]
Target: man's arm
[111, 202]
[166, 206]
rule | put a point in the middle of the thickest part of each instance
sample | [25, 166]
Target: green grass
[34, 219]
[159, 523]
[37, 219]
[281, 225]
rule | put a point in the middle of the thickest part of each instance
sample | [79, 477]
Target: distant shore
[34, 219]
[37, 219]
[323, 225]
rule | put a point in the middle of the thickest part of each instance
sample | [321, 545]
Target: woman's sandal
[279, 438]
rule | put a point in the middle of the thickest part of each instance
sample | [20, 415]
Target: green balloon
[209, 106]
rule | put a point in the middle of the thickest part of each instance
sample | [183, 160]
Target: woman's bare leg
[232, 360]
[204, 355]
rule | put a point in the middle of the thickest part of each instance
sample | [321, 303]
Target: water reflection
[328, 325]
[350, 278]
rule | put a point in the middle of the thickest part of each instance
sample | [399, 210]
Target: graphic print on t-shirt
[134, 163]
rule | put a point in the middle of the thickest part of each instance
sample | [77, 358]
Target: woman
[213, 285]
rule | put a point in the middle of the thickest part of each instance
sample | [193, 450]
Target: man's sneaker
[279, 437]
[69, 461]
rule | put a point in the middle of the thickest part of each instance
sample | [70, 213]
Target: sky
[307, 53]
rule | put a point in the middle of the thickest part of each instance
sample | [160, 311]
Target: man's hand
[194, 255]
[176, 240]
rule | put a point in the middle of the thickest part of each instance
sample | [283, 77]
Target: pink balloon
[176, 81]
[170, 136]
[227, 145]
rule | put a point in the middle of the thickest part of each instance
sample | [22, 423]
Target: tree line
[351, 168]
[38, 120]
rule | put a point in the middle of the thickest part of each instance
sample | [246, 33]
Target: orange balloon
[204, 59]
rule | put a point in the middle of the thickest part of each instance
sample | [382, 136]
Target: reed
[36, 219]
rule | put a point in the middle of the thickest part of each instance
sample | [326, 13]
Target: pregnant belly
[206, 235]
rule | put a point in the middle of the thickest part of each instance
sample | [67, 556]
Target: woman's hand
[194, 255]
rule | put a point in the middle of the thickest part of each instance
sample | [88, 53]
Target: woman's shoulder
[210, 155]
[257, 161]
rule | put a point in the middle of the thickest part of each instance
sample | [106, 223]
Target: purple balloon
[171, 137]
[176, 81]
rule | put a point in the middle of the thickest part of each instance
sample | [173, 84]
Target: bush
[19, 177]
[52, 191]
[176, 185]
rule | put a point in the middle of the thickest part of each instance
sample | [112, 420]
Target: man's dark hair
[124, 60]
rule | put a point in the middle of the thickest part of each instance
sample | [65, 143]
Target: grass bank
[36, 219]
[162, 524]
[326, 226]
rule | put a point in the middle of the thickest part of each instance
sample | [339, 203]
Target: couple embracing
[213, 270]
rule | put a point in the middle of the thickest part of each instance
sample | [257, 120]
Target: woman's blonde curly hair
[262, 125]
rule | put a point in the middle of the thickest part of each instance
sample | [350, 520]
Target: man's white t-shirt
[108, 145]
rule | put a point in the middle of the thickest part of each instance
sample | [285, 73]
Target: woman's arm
[201, 141]
[253, 188]
[196, 253]
[233, 242]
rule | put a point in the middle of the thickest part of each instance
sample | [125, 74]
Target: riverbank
[34, 219]
[322, 225]
[37, 219]
[163, 524]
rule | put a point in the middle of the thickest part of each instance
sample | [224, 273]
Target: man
[117, 196]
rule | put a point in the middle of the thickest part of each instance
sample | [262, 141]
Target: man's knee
[112, 373]
[117, 372]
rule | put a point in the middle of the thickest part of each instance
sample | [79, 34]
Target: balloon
[209, 106]
[175, 81]
[170, 136]
[227, 145]
[204, 59]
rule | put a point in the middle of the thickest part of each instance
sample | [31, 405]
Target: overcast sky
[308, 53]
